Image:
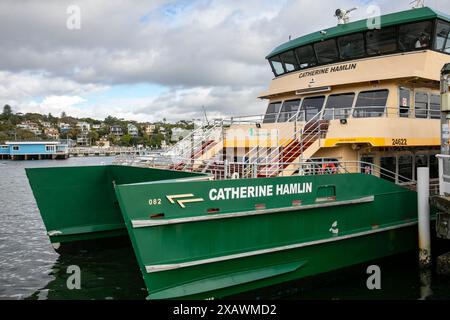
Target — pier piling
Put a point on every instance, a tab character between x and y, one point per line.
423	206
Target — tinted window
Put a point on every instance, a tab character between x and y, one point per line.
289	60
306	57
326	51
351	46
405	167
442	33
381	41
272	112
435	106
388	168
289	110
421	104
277	65
371	104
415	36
310	107
338	106
434	167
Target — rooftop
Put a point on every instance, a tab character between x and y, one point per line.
412	15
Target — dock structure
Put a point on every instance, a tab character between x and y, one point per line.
104	152
33	150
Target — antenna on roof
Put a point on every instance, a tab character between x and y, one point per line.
418	4
343	15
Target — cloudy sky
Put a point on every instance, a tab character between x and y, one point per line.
153	59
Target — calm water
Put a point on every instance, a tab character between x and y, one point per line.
30	269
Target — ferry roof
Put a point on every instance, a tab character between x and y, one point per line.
387	20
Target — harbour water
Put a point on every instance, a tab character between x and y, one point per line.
30	268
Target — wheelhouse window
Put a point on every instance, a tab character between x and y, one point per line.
415	36
290	61
326	51
442	40
381	41
338	106
421	104
371	104
435	106
277	65
310	107
306	57
289	110
351	46
272	112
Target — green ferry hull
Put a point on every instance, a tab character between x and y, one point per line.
79	203
190	244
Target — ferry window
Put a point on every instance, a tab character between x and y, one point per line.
371	104
405	167
338	106
404	103
289	110
351	46
277	65
388	168
435	106
421	160
326	51
421	104
434	167
442	42
381	41
272	112
306	57
290	61
310	107
415	36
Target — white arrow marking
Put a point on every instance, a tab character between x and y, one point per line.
172	198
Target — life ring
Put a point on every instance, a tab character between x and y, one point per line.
329	168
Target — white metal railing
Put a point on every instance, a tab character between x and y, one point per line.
187	149
444	174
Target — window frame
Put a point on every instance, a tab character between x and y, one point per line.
355	108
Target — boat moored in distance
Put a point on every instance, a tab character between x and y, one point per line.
324	179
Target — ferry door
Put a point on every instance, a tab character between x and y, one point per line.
366	165
404	103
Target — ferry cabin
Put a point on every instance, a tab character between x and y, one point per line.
371	95
37	150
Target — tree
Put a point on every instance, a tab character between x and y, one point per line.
7	111
63	115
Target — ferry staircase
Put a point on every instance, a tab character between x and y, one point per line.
301	145
186	153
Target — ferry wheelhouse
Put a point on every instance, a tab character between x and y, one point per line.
324	179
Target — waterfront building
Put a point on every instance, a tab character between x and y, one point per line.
33	150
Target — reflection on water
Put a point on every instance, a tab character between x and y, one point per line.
30	269
108	273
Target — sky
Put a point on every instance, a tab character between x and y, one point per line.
154	59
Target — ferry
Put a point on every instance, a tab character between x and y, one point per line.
323	180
